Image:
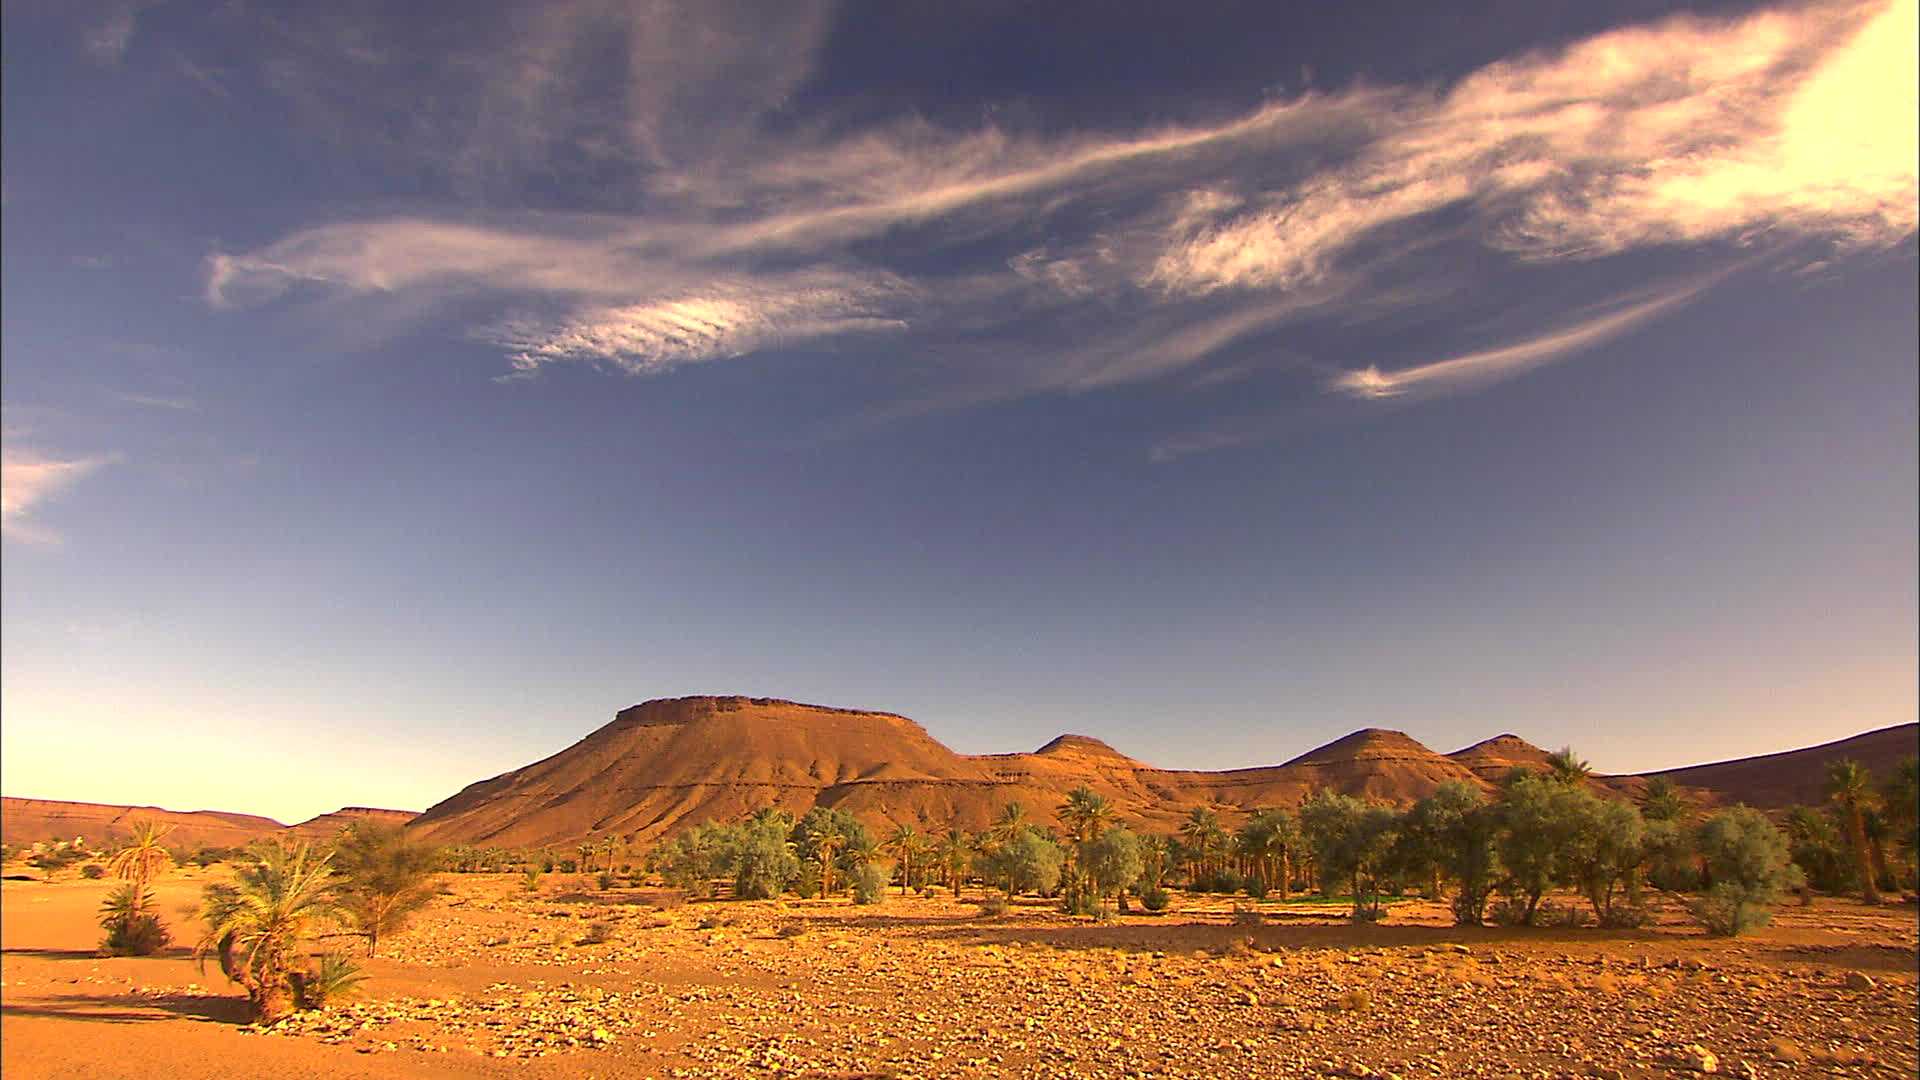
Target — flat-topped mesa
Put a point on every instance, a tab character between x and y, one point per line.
697	707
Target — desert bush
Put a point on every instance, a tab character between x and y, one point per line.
791	930
1155	899
1670	859
868	882
1508	911
1561	916
385	876
1220	882
1352	841
763	861
1749	862
806	884
598	932
530	878
93	871
332	978
1626	917
1356	999
1079	902
133	927
1368	914
1248	915
255	925
1256	889
1027	862
604	880
993	906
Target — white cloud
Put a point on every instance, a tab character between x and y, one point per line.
723	320
1490	365
1162	247
28	478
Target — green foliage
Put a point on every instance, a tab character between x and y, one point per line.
1814	842
255	925
762	858
1750	864
1354	842
1028	862
385	877
332	978
133	927
1671	861
1540	818
1113	862
530	878
1456	833
603	880
93	871
1155	899
868	882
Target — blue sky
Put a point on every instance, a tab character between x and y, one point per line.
391	394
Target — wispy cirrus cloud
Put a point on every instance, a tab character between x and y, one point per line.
1484	366
1163	248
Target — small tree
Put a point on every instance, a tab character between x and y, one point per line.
764	860
385	876
255	925
1113	864
1028	862
1353	842
1539	817
1606	847
1748	861
1850	787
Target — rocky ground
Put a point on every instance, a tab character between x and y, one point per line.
496	981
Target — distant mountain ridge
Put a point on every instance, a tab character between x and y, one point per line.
24	821
666	764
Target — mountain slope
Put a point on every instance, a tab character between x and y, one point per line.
24	821
1773	781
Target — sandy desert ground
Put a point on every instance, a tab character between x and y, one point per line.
494	982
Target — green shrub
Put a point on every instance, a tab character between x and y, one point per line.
335	977
1750	863
1256	888
598	933
604	879
1728	910
869	883
1155	899
530	878
93	871
806	884
133	927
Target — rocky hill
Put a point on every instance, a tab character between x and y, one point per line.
24	821
667	764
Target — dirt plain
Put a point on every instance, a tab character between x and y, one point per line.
494	981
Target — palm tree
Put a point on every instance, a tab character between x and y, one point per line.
1203	835
255	924
1662	800
955	849
142	860
1086	815
1850	787
1568	767
825	844
1010	824
904	842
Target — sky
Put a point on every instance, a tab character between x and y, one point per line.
393	392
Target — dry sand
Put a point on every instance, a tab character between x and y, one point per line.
492	982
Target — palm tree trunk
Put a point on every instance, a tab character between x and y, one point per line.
1857	830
